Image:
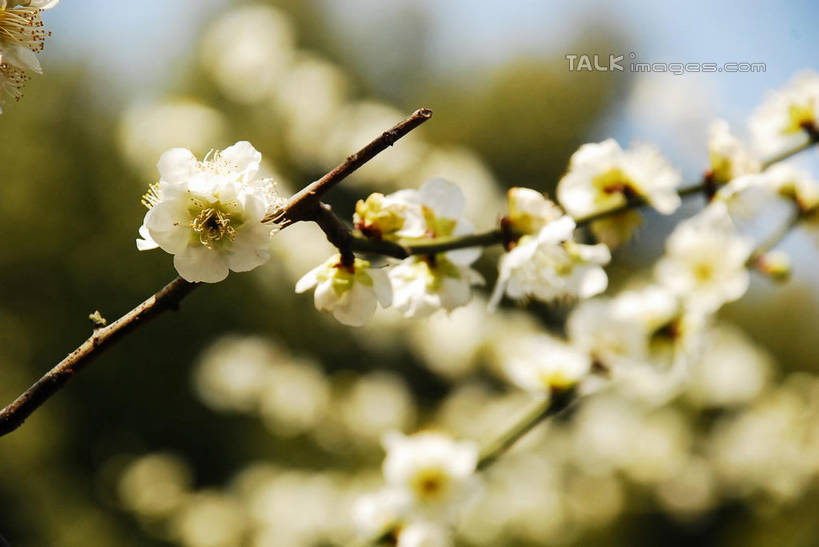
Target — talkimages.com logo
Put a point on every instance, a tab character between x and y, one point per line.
579	62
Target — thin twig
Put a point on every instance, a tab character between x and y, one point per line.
305	205
302	206
542	408
13	416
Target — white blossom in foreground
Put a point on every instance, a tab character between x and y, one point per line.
424	284
432	471
550	265
351	293
544	363
781	121
21	37
529	210
729	156
603	176
705	260
389	217
208	213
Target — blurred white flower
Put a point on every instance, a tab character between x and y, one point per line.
208	213
729	156
233	371
602	176
377	513
154	485
435	472
211	519
21	37
731	370
550	265
796	184
350	292
530	210
308	97
450	344
691	491
146	131
705	260
543	363
424	534
247	51
377	403
780	123
294	397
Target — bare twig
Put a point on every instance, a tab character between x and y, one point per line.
302	206
13	416
305	205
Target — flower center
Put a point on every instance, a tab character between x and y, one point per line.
23	26
213	225
430	484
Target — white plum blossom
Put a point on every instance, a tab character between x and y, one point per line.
424	534
542	363
208	213
423	284
377	513
705	260
645	331
551	265
21	37
350	292
530	210
434	472
729	156
796	184
781	122
389	217
603	176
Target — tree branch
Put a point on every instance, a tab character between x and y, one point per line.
305	205
168	298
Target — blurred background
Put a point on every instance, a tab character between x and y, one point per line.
227	424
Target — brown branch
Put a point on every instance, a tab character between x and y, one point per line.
13	416
305	205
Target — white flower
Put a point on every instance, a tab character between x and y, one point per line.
208	213
529	210
432	470
424	284
542	363
389	217
349	292
602	176
729	156
705	261
796	184
551	265
377	513
780	122
21	37
424	534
